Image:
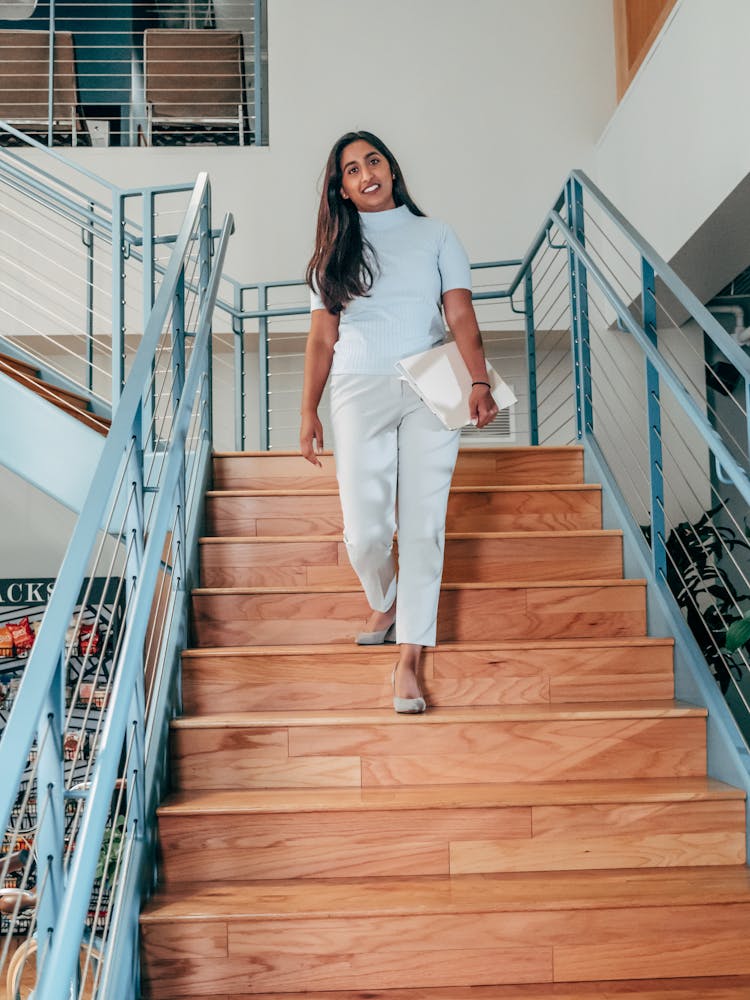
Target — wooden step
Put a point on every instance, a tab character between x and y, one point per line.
273	678
8	364
478	557
443	746
713	988
69	402
471	930
344	833
475	467
467	612
490	508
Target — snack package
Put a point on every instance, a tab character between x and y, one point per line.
6	641
71	744
23	636
89	641
70	640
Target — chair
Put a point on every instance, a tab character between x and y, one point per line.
193	77
24	81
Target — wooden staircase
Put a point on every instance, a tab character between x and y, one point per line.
69	402
545	830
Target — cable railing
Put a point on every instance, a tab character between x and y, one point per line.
650	363
76	288
175	72
83	754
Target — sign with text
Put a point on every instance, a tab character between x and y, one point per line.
38	590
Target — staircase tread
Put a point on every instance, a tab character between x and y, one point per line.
352	589
16	363
64	395
465	450
333	492
290	899
441	716
336	538
521	794
446	647
702	988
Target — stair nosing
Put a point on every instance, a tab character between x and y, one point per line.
332	649
631	888
509	795
333	491
352	588
338	537
474	715
465	450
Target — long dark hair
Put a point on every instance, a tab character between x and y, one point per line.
341	268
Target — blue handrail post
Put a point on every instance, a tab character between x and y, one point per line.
653	409
575	327
50	839
238	329
206	254
118	297
178	383
149	401
149	247
582	300
264	435
531	357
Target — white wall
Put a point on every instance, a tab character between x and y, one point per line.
678	144
487	105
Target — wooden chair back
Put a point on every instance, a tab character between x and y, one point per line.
24	76
193	75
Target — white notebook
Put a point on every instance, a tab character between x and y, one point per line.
442	380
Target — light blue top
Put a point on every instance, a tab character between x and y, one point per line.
418	259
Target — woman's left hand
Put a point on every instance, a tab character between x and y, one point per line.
482	407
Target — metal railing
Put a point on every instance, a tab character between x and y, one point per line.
263	356
77	287
176	72
642	378
83	754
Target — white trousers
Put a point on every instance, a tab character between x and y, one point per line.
394	463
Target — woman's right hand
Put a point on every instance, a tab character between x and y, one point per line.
311	438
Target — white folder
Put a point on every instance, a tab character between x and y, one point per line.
442	380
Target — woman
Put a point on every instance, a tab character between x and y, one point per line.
379	274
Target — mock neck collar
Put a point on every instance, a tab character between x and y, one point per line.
385	219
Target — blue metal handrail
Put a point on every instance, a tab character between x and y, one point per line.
728	740
142	483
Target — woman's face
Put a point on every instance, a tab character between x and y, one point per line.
366	177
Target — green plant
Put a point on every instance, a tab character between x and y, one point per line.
110	850
738	634
703	589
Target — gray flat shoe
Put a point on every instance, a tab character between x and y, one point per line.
378	638
406	706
